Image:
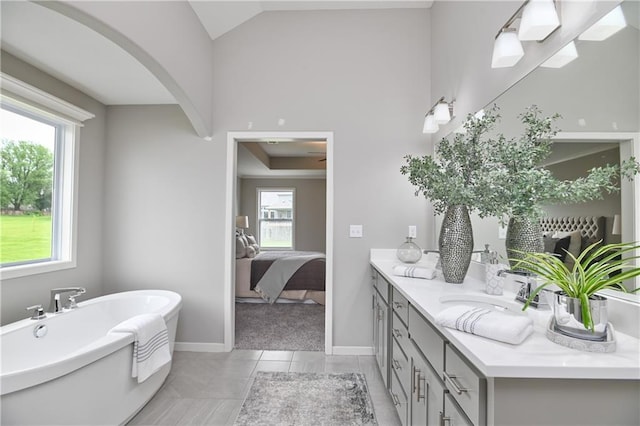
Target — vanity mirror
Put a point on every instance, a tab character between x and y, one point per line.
597	95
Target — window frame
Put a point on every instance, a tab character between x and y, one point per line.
259	218
27	100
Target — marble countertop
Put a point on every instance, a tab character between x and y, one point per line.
536	357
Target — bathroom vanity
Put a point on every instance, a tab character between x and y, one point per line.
441	376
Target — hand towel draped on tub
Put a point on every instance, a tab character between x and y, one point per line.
151	344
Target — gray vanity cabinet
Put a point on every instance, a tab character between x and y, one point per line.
380	315
427	391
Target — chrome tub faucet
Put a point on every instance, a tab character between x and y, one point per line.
55	304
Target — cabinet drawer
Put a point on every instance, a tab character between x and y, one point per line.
467	387
399	399
380	284
453	416
427	339
400	332
400	364
400	306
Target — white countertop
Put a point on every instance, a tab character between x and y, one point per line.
536	357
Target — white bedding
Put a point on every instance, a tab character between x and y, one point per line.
243	285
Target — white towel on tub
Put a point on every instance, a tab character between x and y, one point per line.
151	343
496	325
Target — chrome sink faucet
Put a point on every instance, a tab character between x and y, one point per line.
56	306
528	285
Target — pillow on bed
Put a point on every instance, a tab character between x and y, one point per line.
251	242
241	246
575	245
251	252
549	243
562	247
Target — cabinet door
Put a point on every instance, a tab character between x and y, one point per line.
427	392
453	415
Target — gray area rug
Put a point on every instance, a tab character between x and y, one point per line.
277	398
283	327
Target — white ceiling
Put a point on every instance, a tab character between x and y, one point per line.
250	166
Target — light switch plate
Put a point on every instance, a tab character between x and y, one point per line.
413	231
502	232
355	231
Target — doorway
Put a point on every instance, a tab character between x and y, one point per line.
233	141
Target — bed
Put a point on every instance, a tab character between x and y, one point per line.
572	234
300	274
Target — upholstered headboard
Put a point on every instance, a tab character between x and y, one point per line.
592	228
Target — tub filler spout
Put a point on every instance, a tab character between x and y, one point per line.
56	306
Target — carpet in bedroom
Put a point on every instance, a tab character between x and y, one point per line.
281	326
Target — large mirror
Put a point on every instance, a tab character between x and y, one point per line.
597	96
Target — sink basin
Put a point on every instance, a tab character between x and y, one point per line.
483	301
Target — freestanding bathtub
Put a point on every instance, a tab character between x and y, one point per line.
78	373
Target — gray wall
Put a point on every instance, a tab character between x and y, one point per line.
309	210
19	293
362	74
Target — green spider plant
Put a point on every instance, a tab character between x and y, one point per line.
590	274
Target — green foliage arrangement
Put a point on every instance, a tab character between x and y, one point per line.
598	267
461	172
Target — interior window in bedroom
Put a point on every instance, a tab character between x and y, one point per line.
276	218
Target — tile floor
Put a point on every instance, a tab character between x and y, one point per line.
209	388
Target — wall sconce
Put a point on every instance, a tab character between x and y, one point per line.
562	56
440	113
616	229
607	26
538	20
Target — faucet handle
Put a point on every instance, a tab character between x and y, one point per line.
38	312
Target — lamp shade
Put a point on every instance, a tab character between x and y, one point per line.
607	26
507	49
242	222
441	113
617	225
562	57
539	19
430	125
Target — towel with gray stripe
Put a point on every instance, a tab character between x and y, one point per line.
489	323
151	344
414	272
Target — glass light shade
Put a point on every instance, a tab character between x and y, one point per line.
441	113
607	26
617	225
562	57
430	125
539	19
507	49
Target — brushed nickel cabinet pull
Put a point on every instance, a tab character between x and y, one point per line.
421	379
456	387
398	305
397	332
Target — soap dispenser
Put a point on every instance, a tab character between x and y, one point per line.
409	252
493	281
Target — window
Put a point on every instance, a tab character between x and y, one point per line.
276	218
37	180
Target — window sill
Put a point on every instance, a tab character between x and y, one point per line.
18	271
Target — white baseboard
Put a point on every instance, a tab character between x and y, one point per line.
198	347
353	350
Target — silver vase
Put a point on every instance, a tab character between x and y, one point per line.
455	243
567	313
524	235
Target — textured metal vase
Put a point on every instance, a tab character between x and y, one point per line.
523	235
455	244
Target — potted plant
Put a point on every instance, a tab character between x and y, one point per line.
457	179
577	308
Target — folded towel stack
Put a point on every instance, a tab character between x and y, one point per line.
151	344
414	272
487	323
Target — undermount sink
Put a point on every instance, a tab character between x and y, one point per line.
483	301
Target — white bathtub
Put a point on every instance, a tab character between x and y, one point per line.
77	373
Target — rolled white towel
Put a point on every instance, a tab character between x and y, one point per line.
414	272
501	326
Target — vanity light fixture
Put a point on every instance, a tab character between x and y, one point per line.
562	57
616	229
440	113
607	26
507	49
539	19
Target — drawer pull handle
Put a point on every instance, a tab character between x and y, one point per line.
397	332
421	379
396	400
444	420
396	364
456	387
398	305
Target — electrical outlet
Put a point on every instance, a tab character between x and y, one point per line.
355	231
502	232
413	232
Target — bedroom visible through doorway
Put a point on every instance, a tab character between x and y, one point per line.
279	289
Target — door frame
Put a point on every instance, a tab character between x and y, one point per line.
229	251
